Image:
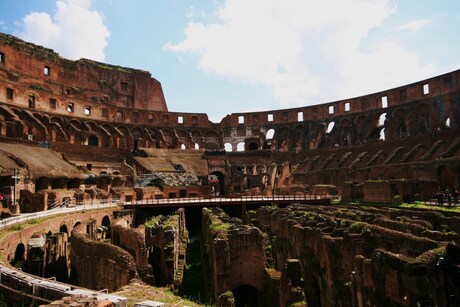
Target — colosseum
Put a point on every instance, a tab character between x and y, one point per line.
109	199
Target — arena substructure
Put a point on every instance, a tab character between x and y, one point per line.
75	135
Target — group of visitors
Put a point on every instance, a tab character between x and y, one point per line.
447	196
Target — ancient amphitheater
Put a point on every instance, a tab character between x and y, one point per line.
104	189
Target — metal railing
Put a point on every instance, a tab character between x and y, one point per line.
229	199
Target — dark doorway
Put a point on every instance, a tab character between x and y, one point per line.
93	140
19	256
246	295
253	146
155	262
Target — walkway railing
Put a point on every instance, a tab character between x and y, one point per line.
229	199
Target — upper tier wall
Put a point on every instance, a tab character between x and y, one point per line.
37	78
418	91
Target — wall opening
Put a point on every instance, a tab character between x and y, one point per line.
246	295
47	70
228	147
382	135
447	124
270	117
240	119
382	119
70	107
87	110
253	146
31	102
331	109
347	107
384	102
300	116
93	140
330	127
19	256
197	146
240	146
9	93
270	134
426	89
180	119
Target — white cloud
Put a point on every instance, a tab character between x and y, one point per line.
303	51
415	25
74	30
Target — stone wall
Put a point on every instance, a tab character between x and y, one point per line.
351	257
236	252
166	240
100	265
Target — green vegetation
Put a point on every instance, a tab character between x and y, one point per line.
357	227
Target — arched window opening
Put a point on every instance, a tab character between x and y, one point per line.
197	146
448	122
228	147
240	146
382	119
270	134
182	146
382	135
330	127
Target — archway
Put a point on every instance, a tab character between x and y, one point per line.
246	295
106	226
228	147
219	186
19	256
240	146
93	141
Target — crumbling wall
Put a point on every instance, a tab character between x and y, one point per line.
133	241
100	265
236	252
166	240
350	258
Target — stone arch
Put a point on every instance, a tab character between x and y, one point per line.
240	146
138	137
92	125
125	136
19	256
63	228
183	139
212	137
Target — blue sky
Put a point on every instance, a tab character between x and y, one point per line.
226	56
